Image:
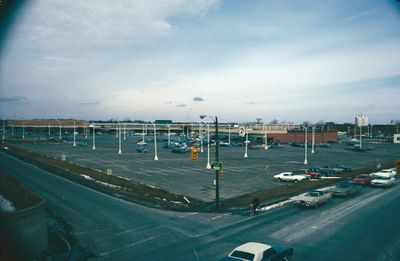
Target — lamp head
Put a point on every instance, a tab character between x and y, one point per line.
203	116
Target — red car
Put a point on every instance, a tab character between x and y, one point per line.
313	174
363	179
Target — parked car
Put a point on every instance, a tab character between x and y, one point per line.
363	179
385	173
181	150
313	174
290	176
344	189
341	166
312	198
382	181
253	251
142	150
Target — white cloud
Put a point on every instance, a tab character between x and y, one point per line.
86	24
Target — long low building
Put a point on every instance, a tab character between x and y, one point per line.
280	133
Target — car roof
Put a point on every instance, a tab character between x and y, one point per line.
253	247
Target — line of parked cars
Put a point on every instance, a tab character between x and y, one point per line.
314	198
382	178
306	174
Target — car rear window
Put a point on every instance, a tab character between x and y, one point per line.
242	255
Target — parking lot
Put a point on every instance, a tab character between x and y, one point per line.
177	173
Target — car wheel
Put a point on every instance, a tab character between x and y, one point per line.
295	181
286	258
279	179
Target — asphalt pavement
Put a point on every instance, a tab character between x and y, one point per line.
364	227
178	174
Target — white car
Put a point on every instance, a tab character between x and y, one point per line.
312	198
290	176
385	173
253	251
382	181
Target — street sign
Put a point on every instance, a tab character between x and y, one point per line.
216	165
242	131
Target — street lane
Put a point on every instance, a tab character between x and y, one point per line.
364	227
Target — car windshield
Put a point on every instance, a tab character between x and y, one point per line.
242	255
382	178
312	194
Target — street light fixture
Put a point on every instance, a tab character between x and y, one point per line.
246	142
169	134
4	130
305	146
119	138
201	138
216	157
155	142
266	141
74	136
313	140
208	146
94	137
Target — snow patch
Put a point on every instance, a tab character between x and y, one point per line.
6	205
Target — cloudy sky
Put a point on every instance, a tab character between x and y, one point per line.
177	59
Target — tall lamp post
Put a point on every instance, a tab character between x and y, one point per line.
201	138
119	138
305	146
74	136
246	143
216	158
4	130
313	140
208	146
155	142
94	137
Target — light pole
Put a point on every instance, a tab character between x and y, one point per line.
23	130
119	138
74	136
124	131
155	142
94	137
4	130
229	134
201	138
246	142
143	135
216	159
305	146
208	146
60	130
266	140
12	130
169	134
49	129
313	140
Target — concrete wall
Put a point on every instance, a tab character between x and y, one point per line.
26	230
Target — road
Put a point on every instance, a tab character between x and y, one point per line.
364	227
